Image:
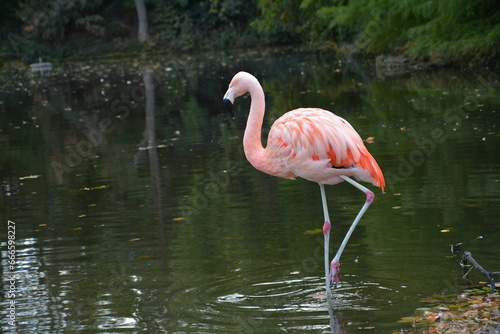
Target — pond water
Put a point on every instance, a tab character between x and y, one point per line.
136	210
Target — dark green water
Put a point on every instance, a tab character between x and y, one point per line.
135	209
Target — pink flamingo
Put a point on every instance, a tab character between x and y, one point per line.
311	143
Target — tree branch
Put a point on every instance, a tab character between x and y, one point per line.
467	257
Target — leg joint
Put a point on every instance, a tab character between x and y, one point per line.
370	196
326	228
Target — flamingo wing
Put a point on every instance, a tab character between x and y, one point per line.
318	145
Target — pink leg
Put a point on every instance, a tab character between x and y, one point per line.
370	197
326	233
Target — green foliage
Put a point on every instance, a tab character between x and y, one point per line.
59	28
188	25
53	19
282	16
439	31
175	28
433	29
453	30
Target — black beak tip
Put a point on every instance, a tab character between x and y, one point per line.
229	107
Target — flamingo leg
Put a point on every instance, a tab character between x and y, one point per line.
326	233
370	196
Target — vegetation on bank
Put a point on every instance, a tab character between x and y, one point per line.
474	311
443	32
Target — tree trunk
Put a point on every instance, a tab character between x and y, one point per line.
142	17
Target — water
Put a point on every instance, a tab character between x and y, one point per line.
135	209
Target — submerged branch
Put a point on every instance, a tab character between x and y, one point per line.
466	258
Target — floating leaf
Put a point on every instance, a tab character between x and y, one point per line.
178	218
90	188
29	177
145	148
135	239
316	231
409	320
433	317
441	308
473	311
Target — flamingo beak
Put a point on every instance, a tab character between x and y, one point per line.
229	107
228	101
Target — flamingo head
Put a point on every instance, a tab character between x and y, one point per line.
241	83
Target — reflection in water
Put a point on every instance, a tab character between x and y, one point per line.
150	139
192	239
336	324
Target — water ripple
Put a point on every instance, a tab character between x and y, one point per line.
290	303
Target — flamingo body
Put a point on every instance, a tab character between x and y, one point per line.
317	145
310	143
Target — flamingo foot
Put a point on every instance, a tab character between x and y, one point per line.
334	272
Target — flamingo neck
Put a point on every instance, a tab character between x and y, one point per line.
252	142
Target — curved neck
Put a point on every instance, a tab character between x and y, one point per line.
252	142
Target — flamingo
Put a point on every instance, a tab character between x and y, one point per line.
310	143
